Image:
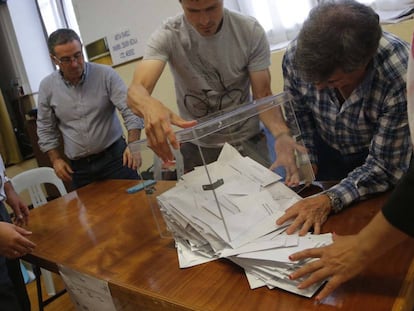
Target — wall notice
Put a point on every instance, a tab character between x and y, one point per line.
124	46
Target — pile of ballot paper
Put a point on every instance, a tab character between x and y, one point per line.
228	209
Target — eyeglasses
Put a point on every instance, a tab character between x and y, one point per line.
67	60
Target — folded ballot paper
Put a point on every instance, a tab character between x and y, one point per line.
227	209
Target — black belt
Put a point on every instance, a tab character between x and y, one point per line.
95	156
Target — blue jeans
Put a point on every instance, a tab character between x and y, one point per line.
104	165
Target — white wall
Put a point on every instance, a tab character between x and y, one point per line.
31	43
141	17
165	87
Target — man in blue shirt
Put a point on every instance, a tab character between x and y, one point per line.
347	81
80	101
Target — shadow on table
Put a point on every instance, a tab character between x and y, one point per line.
314	188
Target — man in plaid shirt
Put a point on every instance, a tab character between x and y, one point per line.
348	87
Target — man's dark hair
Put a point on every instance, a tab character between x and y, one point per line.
61	36
341	34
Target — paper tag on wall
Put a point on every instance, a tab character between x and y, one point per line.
124	46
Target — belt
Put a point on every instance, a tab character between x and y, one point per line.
95	156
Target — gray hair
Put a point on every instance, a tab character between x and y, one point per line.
61	36
341	34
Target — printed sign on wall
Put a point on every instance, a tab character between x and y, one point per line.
124	46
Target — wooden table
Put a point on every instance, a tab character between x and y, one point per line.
102	231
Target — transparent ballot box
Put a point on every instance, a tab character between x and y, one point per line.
220	197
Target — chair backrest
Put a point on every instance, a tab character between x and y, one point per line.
33	179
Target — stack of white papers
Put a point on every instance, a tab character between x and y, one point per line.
228	209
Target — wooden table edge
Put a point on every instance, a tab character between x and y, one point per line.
405	299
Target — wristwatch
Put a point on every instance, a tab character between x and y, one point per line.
336	202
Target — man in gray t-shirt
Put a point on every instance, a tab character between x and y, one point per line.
215	56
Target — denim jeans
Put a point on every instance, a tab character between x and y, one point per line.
105	165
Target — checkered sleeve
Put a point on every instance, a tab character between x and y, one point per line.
390	149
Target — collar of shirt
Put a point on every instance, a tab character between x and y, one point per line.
82	80
362	91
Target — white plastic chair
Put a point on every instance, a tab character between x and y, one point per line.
32	180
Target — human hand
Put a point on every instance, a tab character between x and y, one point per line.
158	120
20	209
285	147
62	169
307	213
22	213
340	261
13	241
131	159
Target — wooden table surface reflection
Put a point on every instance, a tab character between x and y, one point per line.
107	233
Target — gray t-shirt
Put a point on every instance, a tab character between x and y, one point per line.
211	74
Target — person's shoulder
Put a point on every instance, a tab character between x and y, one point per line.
393	50
51	75
50	78
292	45
290	50
99	68
101	72
241	19
173	23
392	41
246	27
391	60
49	85
169	30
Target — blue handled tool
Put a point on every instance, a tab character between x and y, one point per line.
142	185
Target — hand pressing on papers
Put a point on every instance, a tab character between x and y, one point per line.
347	256
308	213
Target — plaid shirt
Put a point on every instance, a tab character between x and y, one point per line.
374	117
